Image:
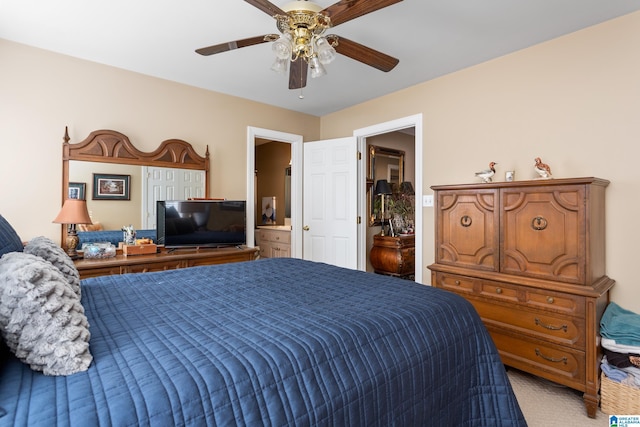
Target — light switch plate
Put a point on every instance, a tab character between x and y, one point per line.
427	201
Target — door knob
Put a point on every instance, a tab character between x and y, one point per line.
305	228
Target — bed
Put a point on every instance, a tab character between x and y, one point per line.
274	342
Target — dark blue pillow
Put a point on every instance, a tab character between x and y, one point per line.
9	239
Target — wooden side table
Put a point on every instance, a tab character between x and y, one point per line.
393	255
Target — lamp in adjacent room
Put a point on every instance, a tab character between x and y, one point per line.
407	188
74	211
382	188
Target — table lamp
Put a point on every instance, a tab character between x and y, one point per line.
74	211
382	188
407	188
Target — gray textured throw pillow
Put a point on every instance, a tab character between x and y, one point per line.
41	318
46	248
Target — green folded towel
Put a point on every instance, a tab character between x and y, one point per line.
620	325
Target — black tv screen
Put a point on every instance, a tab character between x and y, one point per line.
201	223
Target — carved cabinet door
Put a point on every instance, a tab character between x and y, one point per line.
467	229
544	232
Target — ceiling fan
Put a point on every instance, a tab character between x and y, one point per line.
302	42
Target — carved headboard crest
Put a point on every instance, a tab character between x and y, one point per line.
109	146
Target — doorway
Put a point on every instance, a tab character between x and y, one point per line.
361	135
253	135
402	125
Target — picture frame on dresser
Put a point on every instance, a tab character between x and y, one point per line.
77	190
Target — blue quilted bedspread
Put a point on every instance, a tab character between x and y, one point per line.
274	342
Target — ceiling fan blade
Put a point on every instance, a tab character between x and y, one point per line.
237	44
298	74
267	7
346	10
364	54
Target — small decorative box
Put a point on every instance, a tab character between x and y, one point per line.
98	250
139	249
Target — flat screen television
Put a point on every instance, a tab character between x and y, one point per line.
201	223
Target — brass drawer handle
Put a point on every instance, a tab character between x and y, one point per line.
551	359
498	290
539	223
550	327
457	282
550	300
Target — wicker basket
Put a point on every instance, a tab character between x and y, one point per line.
617	398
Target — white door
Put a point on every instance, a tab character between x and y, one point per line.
330	212
168	184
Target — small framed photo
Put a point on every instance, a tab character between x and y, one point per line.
77	190
111	187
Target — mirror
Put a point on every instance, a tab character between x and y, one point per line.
383	163
287	193
111	151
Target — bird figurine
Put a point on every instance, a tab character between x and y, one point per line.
488	173
542	169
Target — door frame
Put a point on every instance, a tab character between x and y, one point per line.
296	183
362	134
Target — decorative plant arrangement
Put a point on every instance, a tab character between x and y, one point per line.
399	211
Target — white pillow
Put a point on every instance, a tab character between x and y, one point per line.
47	249
41	318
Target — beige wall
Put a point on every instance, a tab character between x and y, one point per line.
574	101
112	214
41	92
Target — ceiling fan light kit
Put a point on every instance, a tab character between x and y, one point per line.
302	25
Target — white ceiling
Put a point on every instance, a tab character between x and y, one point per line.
429	37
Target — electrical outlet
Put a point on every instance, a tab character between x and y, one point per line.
427	200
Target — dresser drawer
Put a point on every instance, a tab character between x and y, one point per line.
275	236
551	301
573	305
498	291
556	363
458	284
153	266
543	325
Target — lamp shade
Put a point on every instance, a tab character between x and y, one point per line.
406	187
74	211
383	187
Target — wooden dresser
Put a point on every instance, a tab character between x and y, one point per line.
181	258
273	243
530	256
393	255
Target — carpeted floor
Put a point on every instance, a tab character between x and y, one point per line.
546	404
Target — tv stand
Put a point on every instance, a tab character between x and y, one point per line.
163	260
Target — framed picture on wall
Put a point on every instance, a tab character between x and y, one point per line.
111	187
77	190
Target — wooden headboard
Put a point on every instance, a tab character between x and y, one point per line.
110	146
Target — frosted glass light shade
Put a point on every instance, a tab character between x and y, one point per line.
317	70
282	47
326	52
280	65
